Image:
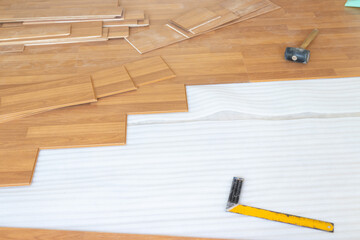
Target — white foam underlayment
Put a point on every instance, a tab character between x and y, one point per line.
297	144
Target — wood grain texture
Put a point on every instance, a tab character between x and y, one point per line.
154	38
82	31
112	81
30	32
149	70
203	18
118	32
12	48
22	101
42	234
136	14
195	17
59	14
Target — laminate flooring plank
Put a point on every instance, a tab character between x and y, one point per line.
31	32
149	70
79	31
194	18
226	17
118	32
31	99
103	38
149	99
112	81
17	166
154	38
59	14
42	234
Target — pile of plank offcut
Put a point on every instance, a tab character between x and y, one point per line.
42	22
199	20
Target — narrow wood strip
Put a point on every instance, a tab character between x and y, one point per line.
31	32
27	100
121	23
149	70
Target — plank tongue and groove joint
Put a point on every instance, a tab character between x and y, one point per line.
234	207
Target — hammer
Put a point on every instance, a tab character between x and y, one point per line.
301	54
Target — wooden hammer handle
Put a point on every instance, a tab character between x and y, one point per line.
309	39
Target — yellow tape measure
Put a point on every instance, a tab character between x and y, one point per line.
234	207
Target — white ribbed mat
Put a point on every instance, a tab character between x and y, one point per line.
173	178
268	100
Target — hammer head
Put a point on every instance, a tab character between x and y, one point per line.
297	55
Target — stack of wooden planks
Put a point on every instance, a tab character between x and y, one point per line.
59	22
198	21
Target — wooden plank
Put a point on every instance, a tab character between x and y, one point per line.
112	81
226	17
31	32
59	14
27	100
42	234
79	32
149	70
102	38
244	7
118	32
154	38
70	21
195	18
121	23
17	166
